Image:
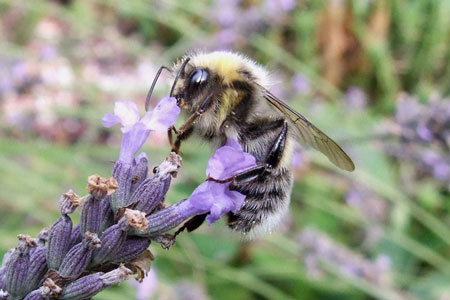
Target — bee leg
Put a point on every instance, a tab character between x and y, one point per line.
271	161
186	130
275	153
191	224
182	135
170	136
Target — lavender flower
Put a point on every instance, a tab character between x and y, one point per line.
215	197
120	216
355	98
319	248
424	136
301	84
136	131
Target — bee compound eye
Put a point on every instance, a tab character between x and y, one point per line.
199	76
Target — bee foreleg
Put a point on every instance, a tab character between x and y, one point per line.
187	128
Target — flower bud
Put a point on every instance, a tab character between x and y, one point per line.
58	241
78	258
139	171
107	214
88	286
59	234
69	201
130	249
91	217
83	288
149	194
75	236
114	237
123	173
153	190
42	238
18	266
3	265
37	268
35	295
169	169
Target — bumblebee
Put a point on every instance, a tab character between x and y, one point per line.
226	95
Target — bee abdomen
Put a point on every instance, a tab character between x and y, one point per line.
267	199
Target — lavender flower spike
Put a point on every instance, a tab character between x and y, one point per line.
210	196
136	131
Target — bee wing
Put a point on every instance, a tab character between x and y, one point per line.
308	134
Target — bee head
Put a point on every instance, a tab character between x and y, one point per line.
191	86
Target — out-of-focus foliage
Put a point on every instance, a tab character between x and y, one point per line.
374	75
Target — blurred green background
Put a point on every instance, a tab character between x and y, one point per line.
373	74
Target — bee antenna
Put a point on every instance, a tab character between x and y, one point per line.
180	71
150	92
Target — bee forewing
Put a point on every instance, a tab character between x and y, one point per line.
307	133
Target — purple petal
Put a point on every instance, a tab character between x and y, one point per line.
127	112
132	141
163	115
215	198
110	120
229	160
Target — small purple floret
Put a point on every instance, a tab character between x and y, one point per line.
136	130
229	160
216	197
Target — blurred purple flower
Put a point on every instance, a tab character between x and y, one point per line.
355	98
226	38
283	5
408	109
298	159
441	171
48	52
424	132
215	197
226	12
277	9
301	84
19	71
137	130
